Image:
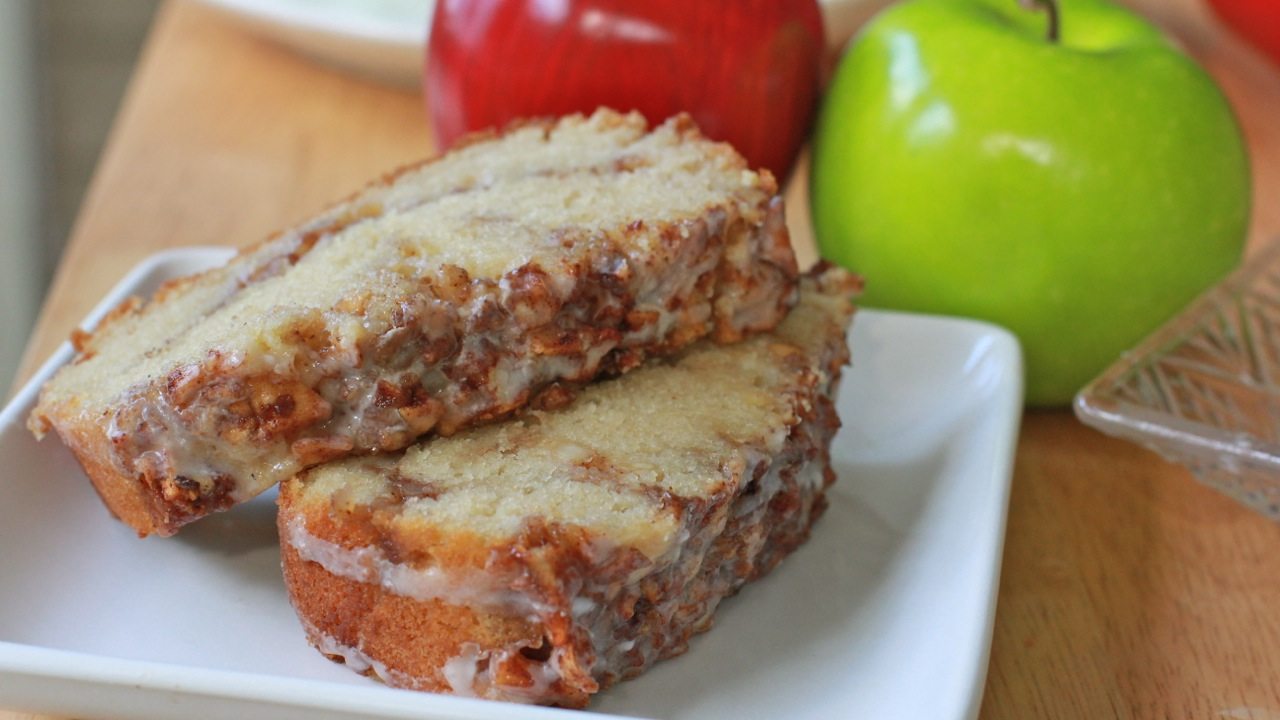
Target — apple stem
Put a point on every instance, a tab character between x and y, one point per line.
1050	8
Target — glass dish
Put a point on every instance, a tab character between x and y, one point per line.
1204	389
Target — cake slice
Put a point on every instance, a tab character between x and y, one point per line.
448	294
545	558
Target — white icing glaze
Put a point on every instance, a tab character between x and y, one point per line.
460	670
354	564
353	658
357	659
470	673
583	606
370	565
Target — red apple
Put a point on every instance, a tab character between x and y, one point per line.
748	71
1258	21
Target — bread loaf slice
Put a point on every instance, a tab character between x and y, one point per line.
445	295
544	558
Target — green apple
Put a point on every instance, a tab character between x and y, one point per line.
1078	184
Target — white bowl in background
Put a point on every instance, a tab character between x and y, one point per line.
385	39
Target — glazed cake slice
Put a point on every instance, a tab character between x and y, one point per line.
549	556
448	294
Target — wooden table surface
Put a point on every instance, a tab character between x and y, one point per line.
1128	590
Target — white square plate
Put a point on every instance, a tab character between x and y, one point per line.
885	613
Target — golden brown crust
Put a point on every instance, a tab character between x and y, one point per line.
128	500
391	626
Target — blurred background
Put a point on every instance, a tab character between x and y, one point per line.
64	66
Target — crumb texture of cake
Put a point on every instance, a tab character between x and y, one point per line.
448	294
546	557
